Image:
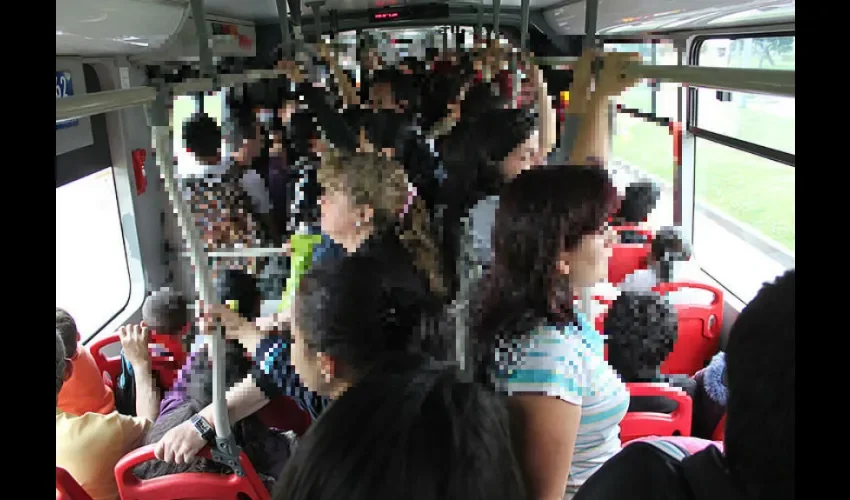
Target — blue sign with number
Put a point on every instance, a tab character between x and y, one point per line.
64	88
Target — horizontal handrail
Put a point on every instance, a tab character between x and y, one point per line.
85	105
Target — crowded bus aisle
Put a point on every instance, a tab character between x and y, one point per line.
398	257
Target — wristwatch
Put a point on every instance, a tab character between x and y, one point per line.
203	428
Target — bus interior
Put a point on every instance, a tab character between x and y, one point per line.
722	157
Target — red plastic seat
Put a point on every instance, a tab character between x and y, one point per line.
642	424
67	488
626	259
189	485
699	330
166	366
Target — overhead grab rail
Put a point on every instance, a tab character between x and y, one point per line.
756	81
85	105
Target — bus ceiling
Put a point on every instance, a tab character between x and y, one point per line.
164	30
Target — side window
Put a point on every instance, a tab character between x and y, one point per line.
92	275
642	144
182	109
745	178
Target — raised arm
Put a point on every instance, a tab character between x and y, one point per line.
134	341
592	140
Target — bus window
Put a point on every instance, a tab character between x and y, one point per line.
183	108
660	100
743	183
92	275
642	145
760	119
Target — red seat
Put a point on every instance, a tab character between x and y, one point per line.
189	485
67	488
166	366
699	330
642	424
626	259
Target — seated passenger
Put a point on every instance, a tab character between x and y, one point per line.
88	445
638	203
669	261
710	397
455	435
758	458
266	449
641	330
85	390
164	313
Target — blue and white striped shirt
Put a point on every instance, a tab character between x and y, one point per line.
568	364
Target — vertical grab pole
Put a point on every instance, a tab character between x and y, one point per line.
226	450
202	31
525	7
317	18
479	25
497	4
285	35
591	8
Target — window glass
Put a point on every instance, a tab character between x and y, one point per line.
182	109
640	96
92	275
744	221
760	119
641	149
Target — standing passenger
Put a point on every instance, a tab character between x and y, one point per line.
550	241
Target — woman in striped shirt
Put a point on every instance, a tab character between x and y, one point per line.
550	241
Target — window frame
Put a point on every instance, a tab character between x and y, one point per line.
765	152
687	196
120	144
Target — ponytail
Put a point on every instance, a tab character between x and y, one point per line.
382	184
416	239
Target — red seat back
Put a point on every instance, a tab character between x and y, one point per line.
626	259
188	485
699	330
641	424
166	366
67	488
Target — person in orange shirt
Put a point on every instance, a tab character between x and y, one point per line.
85	391
89	445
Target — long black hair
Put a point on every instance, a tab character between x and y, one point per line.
361	310
420	432
542	213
